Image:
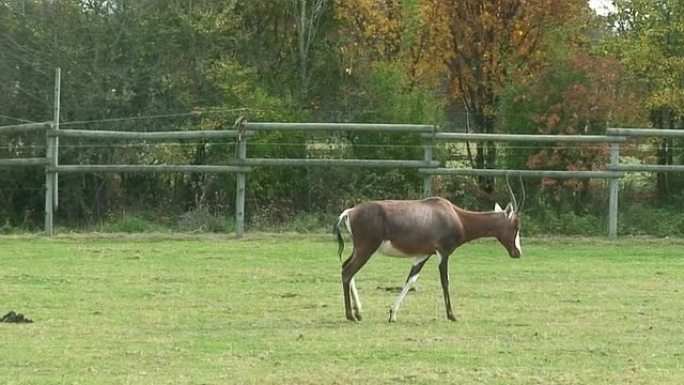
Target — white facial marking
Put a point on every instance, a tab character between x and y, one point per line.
517	242
389	250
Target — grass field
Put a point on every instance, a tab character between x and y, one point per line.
181	309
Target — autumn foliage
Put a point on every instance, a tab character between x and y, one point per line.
577	95
480	48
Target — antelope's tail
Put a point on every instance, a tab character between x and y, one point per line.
344	217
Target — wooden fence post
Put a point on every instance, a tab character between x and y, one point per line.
52	154
428	143
614	189
241	179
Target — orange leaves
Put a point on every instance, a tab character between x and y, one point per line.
576	94
433	47
483	45
570	156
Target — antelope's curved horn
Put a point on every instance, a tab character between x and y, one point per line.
510	192
524	195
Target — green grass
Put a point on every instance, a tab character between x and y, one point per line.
180	309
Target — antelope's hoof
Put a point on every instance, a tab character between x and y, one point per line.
452	318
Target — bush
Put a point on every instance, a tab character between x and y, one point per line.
131	224
641	220
565	224
201	220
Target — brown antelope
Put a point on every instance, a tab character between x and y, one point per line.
419	229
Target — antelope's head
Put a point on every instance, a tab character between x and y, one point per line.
509	233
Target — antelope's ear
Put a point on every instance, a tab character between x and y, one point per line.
497	208
509	210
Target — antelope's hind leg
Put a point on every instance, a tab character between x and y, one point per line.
350	267
355	300
410	281
346	289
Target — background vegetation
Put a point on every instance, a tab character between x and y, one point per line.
508	66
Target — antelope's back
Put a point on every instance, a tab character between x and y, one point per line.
406	221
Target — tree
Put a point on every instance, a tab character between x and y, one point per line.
578	94
309	16
479	47
122	61
648	37
374	40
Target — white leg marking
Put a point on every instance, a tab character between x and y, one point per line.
517	242
356	302
405	290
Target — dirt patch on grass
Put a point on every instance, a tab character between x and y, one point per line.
16	318
394	289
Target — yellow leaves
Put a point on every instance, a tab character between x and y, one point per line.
371	28
669	98
433	47
483	44
478	46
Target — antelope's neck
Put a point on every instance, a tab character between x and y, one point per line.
478	225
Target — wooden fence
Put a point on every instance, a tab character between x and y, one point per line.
613	175
23	128
242	164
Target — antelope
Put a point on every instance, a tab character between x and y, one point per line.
418	229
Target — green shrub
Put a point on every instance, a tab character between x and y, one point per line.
130	224
201	220
642	220
565	224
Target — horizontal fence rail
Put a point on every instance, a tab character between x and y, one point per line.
125	168
555	174
272	126
458	136
645	132
647	167
22	162
371	163
151	135
23	128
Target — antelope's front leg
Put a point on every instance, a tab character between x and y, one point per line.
410	281
444	278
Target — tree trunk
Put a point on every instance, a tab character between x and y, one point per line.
303	50
485	152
